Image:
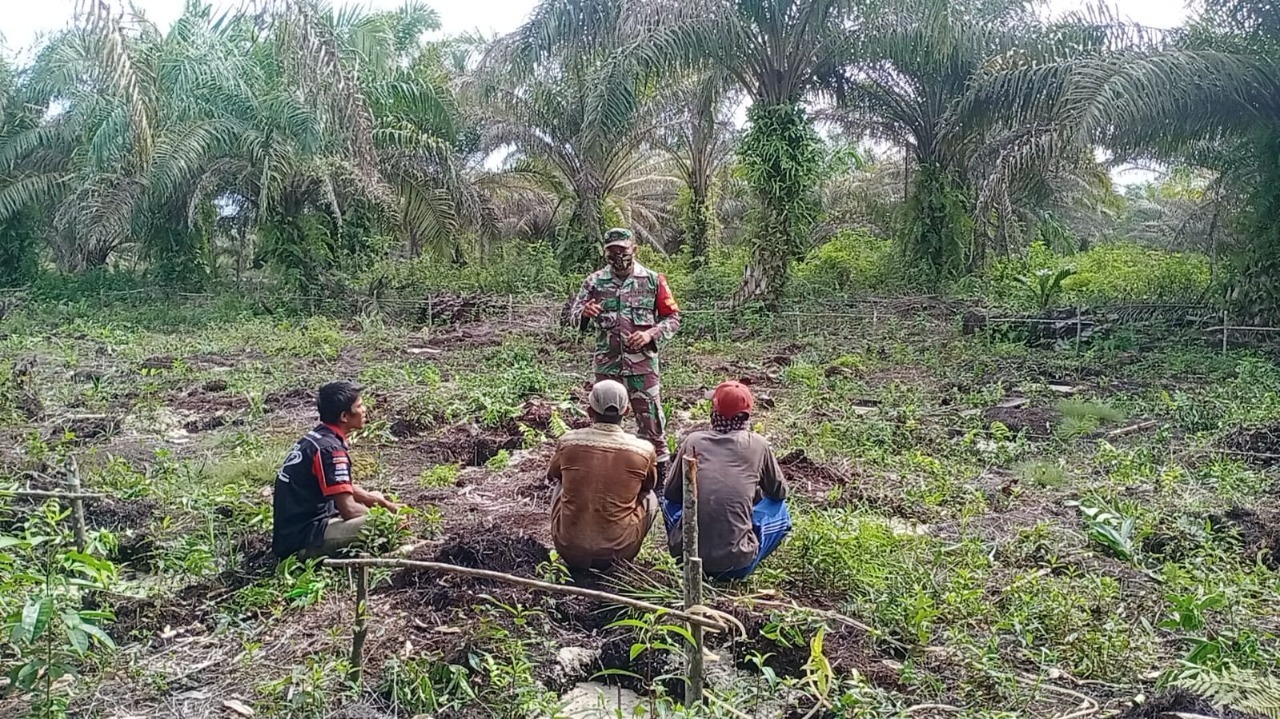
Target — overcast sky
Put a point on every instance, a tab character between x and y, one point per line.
23	21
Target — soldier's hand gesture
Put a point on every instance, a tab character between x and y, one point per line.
592	309
638	340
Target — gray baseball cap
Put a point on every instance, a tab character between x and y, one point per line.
609	397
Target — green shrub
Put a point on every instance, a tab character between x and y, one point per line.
849	263
1117	272
513	268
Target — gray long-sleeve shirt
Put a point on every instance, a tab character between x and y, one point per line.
735	470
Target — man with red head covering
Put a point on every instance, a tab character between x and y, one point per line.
742	515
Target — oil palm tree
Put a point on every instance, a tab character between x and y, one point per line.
147	131
697	136
563	96
776	51
924	80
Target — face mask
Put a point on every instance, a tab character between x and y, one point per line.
621	263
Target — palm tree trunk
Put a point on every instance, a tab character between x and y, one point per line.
580	245
782	156
941	230
698	225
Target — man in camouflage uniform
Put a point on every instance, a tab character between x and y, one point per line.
634	313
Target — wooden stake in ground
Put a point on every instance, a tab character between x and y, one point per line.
77	504
692	578
362	623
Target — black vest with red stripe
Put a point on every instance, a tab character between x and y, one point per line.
317	469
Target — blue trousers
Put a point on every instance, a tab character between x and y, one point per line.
770	521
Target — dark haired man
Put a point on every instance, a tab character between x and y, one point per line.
604	504
742	513
634	312
317	508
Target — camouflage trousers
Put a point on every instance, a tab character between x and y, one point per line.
646	404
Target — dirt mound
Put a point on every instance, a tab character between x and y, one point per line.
194	605
202	399
615	654
1180	701
476	548
296	398
84	427
119	514
135	550
470	446
844	647
402	427
1034	420
157	362
809	477
256	561
1259	439
496	551
536	413
1259	533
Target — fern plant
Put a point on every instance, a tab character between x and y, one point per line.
1242	689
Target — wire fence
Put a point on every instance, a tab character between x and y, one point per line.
449	307
533	312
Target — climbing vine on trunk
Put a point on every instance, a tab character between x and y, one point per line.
782	157
939	228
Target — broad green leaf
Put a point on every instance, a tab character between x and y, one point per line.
97	633
677	629
35	618
6	542
28	674
78	639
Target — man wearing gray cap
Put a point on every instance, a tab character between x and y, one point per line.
604	504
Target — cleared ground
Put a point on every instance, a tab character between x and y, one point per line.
982	526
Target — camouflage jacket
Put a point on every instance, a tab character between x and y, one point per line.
640	302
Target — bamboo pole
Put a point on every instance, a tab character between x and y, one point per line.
693	691
1224	332
362	624
702	621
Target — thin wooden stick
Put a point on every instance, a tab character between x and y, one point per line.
53	495
704	622
693	690
1133	428
362	624
834	616
77	505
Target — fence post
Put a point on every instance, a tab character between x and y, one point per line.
692	578
362	624
1224	332
77	505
